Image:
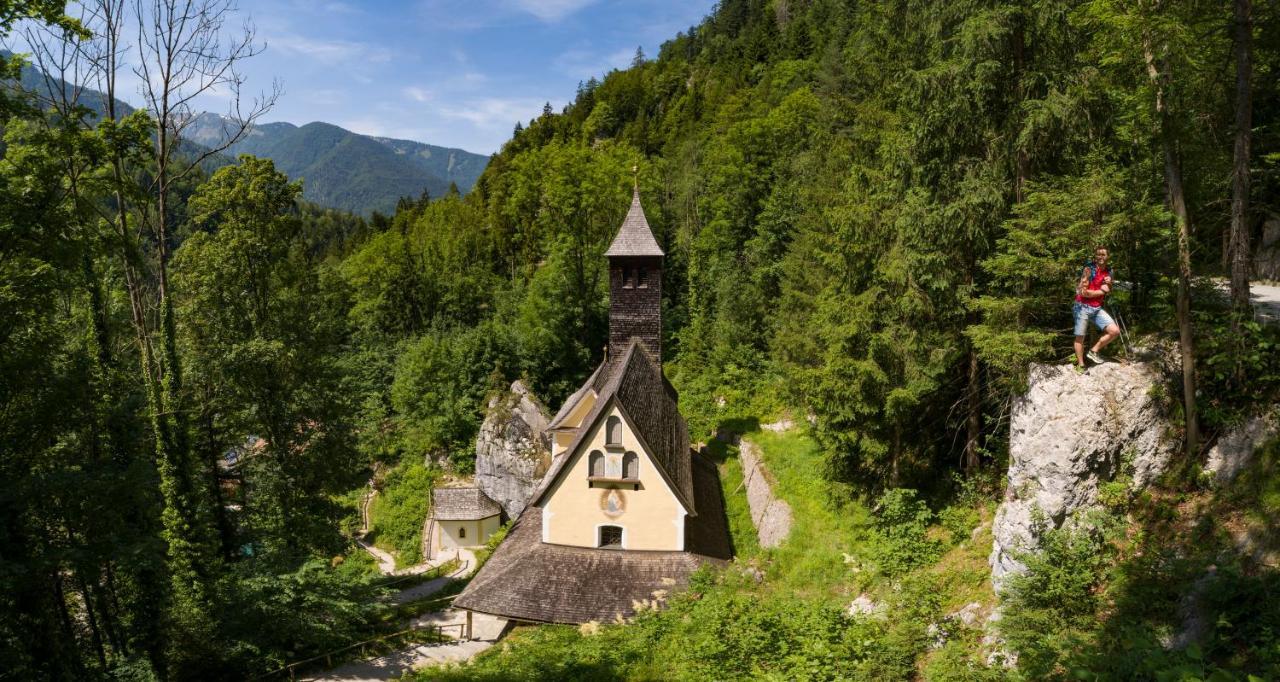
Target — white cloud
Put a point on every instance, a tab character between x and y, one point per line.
330	52
583	64
495	112
324	96
366	126
467	81
467	15
340	8
551	11
417	94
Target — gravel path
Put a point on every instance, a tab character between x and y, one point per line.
467	560
485	629
1266	300
387	563
393	666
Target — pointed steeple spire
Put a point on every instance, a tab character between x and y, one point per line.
634	238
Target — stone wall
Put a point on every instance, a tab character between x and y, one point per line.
771	516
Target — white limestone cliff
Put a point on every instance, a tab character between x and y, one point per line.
512	449
1069	434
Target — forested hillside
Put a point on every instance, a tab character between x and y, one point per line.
349	171
873	213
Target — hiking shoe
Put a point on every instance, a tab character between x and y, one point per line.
1095	358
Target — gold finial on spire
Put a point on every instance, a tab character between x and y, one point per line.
635	178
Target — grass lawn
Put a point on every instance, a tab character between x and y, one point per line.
826	526
825	554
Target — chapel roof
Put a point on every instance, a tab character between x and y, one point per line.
634	238
527	579
636	382
462	504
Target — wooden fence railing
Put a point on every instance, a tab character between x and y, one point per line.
434	633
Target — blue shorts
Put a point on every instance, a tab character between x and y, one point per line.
1083	313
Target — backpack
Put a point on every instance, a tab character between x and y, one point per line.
1093	274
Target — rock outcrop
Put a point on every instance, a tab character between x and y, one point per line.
1069	434
1266	252
512	449
1235	448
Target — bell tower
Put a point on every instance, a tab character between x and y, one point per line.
635	285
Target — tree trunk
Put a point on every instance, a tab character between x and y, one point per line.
1178	204
120	644
971	450
212	452
64	618
1239	243
1173	172
894	453
973	398
91	616
107	614
1022	163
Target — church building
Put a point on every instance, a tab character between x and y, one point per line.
626	509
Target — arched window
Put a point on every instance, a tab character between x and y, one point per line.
462	532
628	278
595	463
613	431
631	466
610	537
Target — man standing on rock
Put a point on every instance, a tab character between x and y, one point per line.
1091	291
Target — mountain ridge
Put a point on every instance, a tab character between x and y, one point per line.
339	168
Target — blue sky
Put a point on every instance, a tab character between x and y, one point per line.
456	73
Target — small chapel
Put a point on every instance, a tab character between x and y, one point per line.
627	509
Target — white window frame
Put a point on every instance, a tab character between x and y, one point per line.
613	525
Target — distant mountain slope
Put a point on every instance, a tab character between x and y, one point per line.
456	165
340	169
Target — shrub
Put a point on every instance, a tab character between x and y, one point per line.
959	522
400	509
1049	609
483	554
899	541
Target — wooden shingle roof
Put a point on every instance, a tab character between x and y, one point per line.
462	504
529	580
634	238
635	382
